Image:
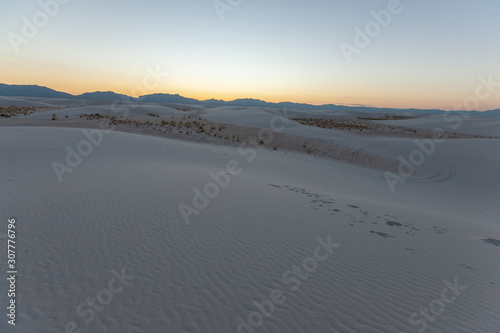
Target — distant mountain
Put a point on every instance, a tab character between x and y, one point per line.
104	95
492	112
250	102
40	91
31	91
167	98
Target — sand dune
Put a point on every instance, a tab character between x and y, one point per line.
290	242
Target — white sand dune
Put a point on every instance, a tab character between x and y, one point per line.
119	209
21	101
476	125
251	117
130	110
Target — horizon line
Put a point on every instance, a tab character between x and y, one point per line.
350	105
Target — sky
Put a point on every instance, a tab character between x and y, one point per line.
403	54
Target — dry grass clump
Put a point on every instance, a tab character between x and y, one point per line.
11	111
93	116
387	117
332	123
349	125
182	126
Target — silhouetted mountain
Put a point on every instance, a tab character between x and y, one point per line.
104	95
168	98
214	101
40	91
250	102
492	112
31	91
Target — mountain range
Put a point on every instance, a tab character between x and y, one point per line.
41	91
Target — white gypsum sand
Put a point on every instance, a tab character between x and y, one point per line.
250	259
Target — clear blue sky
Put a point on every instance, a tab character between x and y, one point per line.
430	55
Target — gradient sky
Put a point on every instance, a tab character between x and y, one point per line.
430	55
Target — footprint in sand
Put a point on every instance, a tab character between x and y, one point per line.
439	230
322	202
466	266
397	224
393	224
411	230
491	241
381	234
319	201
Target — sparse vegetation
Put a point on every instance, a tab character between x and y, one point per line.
353	125
387	117
332	123
11	111
93	116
